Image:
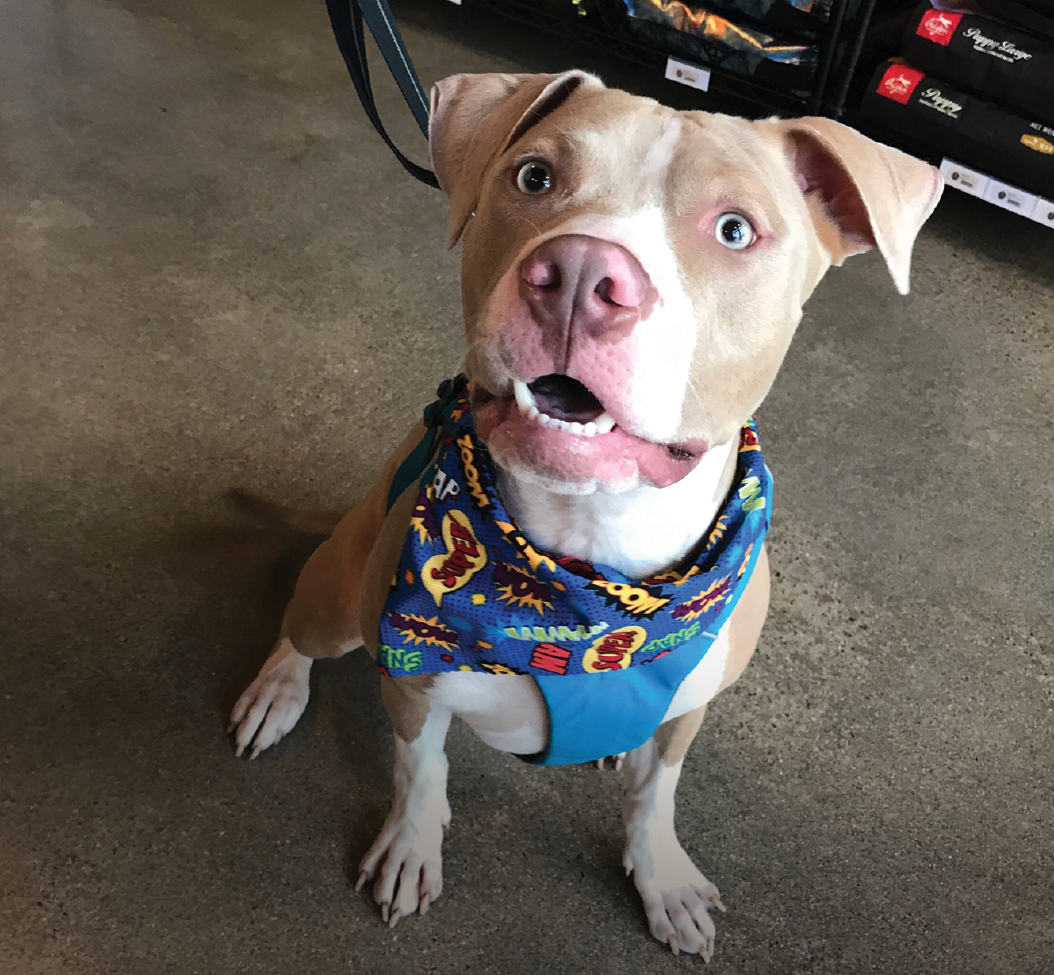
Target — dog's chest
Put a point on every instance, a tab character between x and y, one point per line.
508	711
638	535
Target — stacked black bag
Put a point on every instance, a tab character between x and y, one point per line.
1034	15
975	89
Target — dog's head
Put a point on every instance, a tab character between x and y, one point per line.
632	275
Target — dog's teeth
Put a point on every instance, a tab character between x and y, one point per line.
604	423
524	397
552	423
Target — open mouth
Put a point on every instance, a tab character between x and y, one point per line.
558	427
562	403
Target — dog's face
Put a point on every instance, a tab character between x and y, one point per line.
632	275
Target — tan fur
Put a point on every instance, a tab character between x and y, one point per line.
715	335
381	566
322	619
673	737
719	161
746	621
407	703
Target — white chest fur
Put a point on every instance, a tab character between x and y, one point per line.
640	532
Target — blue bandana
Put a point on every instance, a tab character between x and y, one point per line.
471	593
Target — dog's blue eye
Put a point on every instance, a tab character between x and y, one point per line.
734	231
534	177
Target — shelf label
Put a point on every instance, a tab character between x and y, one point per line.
1010	198
688	74
968	180
1044	213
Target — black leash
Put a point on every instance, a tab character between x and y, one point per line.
347	16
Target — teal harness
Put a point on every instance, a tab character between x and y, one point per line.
608	652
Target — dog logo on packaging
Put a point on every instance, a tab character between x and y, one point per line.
899	82
464	557
938	26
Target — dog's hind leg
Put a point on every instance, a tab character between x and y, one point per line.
677	897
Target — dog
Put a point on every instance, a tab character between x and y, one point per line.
632	277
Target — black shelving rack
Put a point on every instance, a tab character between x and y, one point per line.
875	36
605	26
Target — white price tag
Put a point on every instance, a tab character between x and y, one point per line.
1044	213
967	180
688	74
1010	198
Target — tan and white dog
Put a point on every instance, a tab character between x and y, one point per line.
632	277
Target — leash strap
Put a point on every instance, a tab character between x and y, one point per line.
346	17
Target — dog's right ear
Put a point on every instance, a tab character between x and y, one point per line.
476	117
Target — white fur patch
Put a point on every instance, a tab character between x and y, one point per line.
662	348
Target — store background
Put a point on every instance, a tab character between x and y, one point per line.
214	274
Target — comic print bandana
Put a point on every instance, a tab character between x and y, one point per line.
470	593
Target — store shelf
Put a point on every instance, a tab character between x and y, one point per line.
945	120
605	26
998	193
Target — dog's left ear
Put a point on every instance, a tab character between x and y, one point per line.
476	117
861	193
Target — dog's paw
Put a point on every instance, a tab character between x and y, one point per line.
677	900
615	760
272	704
406	867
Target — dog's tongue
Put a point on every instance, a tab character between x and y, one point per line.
564	398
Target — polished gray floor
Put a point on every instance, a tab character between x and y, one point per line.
211	274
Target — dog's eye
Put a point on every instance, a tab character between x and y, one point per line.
734	231
534	177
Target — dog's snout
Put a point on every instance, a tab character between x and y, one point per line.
579	282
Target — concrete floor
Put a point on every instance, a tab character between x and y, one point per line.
214	274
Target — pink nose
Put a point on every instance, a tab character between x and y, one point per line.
576	282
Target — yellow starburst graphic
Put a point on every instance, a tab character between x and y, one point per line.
675	578
746	561
417	630
518	587
718	531
707	599
496	668
417	519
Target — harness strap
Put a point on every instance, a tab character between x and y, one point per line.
435	416
346	17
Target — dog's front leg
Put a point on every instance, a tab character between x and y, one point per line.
405	861
676	895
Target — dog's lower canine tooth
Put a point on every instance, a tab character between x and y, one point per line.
605	423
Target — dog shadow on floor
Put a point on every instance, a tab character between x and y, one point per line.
251	571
